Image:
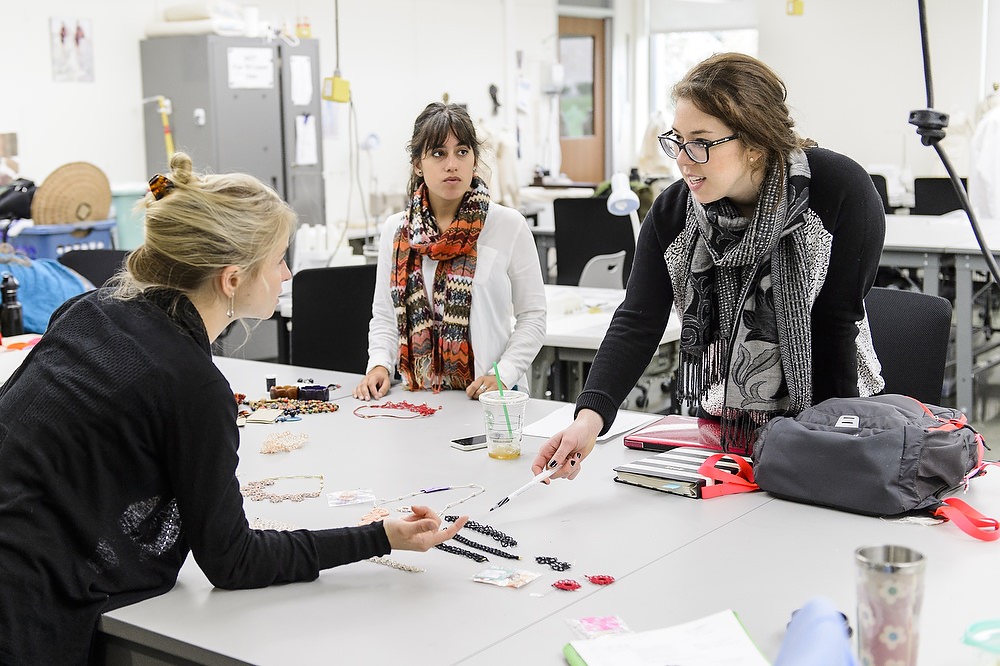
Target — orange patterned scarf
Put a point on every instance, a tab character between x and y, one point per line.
434	345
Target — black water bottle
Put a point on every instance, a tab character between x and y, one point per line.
11	317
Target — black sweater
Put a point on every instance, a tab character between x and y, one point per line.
118	451
842	194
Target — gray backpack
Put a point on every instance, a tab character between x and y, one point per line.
881	456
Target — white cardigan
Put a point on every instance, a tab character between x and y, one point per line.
507	319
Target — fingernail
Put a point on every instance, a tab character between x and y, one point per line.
553	463
578	456
572	462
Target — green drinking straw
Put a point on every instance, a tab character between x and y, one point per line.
506	415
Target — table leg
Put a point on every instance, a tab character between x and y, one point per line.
963	334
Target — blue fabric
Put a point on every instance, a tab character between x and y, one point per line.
816	636
44	286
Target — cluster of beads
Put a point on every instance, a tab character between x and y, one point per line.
570	584
301	406
553	563
419	410
601	579
454	550
486	549
263	524
376	514
254	490
393	564
495	534
283	442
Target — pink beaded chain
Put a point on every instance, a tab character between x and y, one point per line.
417	410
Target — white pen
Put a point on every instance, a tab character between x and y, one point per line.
538	479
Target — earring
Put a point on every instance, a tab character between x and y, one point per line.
420	173
232	305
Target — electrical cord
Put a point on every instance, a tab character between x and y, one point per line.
930	126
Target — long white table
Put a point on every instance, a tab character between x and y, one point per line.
930	242
674	559
577	321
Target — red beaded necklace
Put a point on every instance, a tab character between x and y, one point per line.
418	411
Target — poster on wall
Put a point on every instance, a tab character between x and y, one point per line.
72	49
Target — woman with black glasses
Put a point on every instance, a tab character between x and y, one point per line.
766	248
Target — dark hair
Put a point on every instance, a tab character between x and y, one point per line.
202	224
431	130
749	97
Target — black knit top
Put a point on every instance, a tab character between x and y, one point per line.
118	451
842	194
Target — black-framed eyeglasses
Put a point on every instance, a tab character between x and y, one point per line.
696	149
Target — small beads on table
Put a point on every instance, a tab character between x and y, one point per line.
418	410
553	563
601	579
461	551
301	406
567	584
254	490
495	534
486	549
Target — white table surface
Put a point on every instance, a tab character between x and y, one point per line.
931	241
366	613
674	559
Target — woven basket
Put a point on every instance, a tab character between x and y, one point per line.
75	192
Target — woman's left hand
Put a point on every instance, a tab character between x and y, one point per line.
481	385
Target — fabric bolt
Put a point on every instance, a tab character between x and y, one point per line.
507	313
118	452
842	197
434	349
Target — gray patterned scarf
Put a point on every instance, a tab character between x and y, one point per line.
744	288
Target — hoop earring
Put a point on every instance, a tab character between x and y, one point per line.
232	305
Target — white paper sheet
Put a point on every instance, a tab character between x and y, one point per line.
563	417
300	67
306	151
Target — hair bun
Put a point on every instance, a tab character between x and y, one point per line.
180	168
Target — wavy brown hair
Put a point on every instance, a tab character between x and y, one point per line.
749	97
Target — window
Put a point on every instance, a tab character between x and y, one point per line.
672	54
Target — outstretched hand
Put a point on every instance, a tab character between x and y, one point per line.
420	531
374	385
568	448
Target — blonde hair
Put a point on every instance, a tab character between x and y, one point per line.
201	224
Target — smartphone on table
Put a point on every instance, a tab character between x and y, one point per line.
469	443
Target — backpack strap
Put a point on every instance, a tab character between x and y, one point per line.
968	519
727	483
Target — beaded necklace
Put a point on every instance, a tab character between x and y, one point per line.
418	411
477	490
254	490
299	406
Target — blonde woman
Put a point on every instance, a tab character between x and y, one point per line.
118	438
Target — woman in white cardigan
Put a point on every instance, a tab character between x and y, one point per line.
459	287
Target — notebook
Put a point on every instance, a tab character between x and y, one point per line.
675	430
674	471
719	638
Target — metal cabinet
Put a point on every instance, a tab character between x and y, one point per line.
240	104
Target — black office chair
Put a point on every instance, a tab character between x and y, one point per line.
98	266
331	309
910	333
585	229
883	191
935	196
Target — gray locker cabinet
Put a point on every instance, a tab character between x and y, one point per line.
233	111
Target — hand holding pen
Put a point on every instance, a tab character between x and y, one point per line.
539	478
